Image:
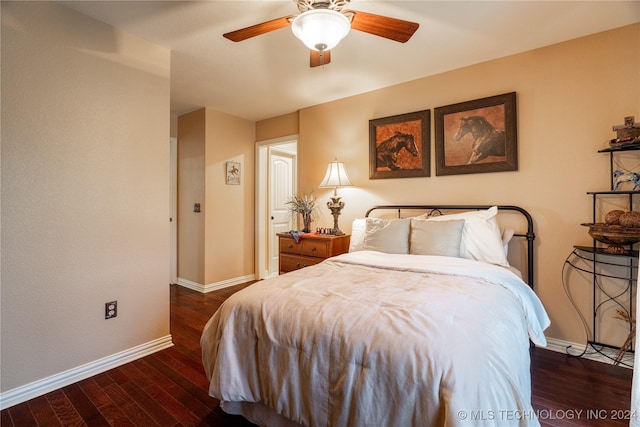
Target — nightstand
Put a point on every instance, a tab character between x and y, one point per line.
310	249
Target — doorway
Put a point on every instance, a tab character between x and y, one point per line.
276	177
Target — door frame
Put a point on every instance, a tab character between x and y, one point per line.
261	198
173	210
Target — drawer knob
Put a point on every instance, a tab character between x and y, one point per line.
313	249
290	246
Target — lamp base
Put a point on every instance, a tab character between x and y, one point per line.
335	205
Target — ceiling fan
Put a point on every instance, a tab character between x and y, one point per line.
321	24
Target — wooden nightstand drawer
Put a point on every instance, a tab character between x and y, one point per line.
289	246
316	248
295	262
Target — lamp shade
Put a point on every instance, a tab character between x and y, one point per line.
320	29
336	176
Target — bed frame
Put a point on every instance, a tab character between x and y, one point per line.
437	210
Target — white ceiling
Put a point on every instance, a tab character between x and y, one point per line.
269	75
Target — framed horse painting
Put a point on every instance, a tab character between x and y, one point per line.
477	136
399	146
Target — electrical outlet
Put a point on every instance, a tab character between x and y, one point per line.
110	309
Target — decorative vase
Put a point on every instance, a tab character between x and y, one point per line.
306	220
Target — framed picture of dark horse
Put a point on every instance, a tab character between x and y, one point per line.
399	146
477	136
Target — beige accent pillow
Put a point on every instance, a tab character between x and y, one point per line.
481	237
387	235
436	237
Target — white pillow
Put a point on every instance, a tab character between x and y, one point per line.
387	235
436	237
481	237
357	234
506	234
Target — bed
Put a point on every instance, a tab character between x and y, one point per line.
424	322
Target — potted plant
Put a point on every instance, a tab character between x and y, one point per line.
304	205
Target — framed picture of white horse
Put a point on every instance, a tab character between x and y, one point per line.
477	136
399	146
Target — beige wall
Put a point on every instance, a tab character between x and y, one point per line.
85	191
215	245
191	183
230	225
277	127
568	97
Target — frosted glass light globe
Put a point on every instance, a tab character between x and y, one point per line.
321	29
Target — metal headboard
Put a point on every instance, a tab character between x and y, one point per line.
528	235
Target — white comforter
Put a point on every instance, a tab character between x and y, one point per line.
372	339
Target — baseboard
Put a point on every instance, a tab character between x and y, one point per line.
190	285
54	382
217	285
585	352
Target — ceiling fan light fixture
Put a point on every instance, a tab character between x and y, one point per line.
321	29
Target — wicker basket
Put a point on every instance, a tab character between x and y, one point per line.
615	236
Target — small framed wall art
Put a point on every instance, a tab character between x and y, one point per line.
233	173
399	146
477	136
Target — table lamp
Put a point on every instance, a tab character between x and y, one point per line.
335	177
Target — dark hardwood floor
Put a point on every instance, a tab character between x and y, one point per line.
169	388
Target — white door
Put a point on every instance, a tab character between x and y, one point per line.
281	188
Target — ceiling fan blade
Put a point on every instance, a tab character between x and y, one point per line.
383	26
318	59
258	29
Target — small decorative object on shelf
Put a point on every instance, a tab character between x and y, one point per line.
621	176
613	235
328	232
304	205
620	229
629	219
626	134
